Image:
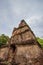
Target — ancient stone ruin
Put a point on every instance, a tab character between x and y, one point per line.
23	47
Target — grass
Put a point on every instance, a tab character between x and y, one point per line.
40	41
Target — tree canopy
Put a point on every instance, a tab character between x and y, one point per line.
3	39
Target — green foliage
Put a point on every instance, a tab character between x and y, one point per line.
40	41
3	39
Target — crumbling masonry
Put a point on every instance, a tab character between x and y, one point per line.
23	48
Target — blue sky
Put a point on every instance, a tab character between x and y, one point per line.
13	11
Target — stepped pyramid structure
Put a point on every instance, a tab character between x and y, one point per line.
24	48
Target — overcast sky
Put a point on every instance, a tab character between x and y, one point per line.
13	11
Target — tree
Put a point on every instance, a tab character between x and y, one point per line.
3	39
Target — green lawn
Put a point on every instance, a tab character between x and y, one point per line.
40	41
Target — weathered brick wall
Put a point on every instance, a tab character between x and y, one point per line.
3	53
29	55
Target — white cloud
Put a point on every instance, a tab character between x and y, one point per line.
36	24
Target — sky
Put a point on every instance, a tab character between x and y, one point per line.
13	11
